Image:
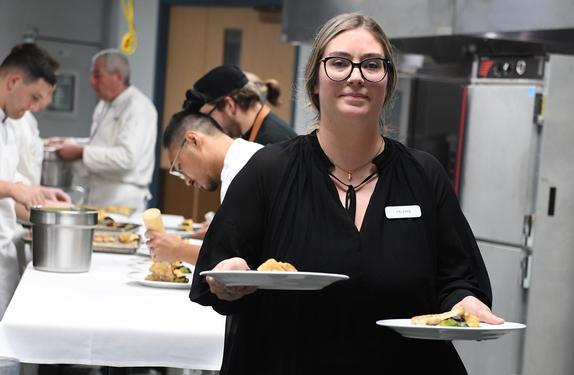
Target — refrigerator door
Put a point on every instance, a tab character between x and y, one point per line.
550	333
502	356
501	143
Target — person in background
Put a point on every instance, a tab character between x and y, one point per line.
331	201
204	156
269	91
226	94
29	171
26	79
119	157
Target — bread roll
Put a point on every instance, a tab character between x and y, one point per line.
152	220
273	265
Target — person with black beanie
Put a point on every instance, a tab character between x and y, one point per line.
225	94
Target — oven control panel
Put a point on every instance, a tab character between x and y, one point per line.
511	67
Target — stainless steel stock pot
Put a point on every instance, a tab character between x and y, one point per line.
62	238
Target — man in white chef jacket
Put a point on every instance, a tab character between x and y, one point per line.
119	157
26	79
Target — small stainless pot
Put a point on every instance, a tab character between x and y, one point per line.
55	171
62	238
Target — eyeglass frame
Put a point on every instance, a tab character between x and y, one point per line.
174	170
211	110
386	62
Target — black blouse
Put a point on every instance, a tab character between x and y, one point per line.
284	205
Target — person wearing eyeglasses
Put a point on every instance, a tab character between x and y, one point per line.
226	94
343	199
203	156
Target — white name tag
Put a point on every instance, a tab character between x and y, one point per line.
402	212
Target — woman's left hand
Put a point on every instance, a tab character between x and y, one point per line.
474	306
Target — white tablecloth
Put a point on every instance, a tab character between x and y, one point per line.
103	317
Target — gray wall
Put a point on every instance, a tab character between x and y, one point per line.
11	18
143	61
303	113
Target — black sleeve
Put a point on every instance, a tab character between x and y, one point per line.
461	269
236	231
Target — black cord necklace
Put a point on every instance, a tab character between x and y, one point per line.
351	197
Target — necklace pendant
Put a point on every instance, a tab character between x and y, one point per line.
349	176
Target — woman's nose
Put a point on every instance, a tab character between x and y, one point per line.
356	75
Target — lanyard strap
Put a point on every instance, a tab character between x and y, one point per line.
263	112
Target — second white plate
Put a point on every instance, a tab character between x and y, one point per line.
276	280
484	332
139	277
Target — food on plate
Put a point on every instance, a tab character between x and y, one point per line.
187	225
152	220
122	210
273	265
124	238
102	216
168	272
457	317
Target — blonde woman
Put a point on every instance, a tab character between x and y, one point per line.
329	202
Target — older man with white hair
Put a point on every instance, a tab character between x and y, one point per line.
120	154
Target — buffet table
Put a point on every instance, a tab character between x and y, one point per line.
106	317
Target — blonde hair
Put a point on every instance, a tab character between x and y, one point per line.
334	27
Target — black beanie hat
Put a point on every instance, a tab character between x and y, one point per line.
220	81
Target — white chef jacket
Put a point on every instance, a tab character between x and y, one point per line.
9	274
120	155
30	149
235	159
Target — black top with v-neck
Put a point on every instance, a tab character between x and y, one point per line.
284	205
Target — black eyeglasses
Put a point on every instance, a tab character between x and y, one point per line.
373	69
208	113
174	168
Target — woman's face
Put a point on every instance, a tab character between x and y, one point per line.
353	97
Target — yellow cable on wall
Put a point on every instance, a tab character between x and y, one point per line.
130	39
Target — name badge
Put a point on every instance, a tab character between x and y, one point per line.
402	212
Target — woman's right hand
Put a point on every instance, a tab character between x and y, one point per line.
229	293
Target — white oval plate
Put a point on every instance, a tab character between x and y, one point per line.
484	332
276	280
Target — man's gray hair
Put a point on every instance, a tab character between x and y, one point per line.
115	62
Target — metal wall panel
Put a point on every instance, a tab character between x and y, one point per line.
472	16
498	161
399	18
549	336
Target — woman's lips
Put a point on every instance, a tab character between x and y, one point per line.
355	96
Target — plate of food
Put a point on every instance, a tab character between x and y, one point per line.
456	324
187	226
276	275
165	275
